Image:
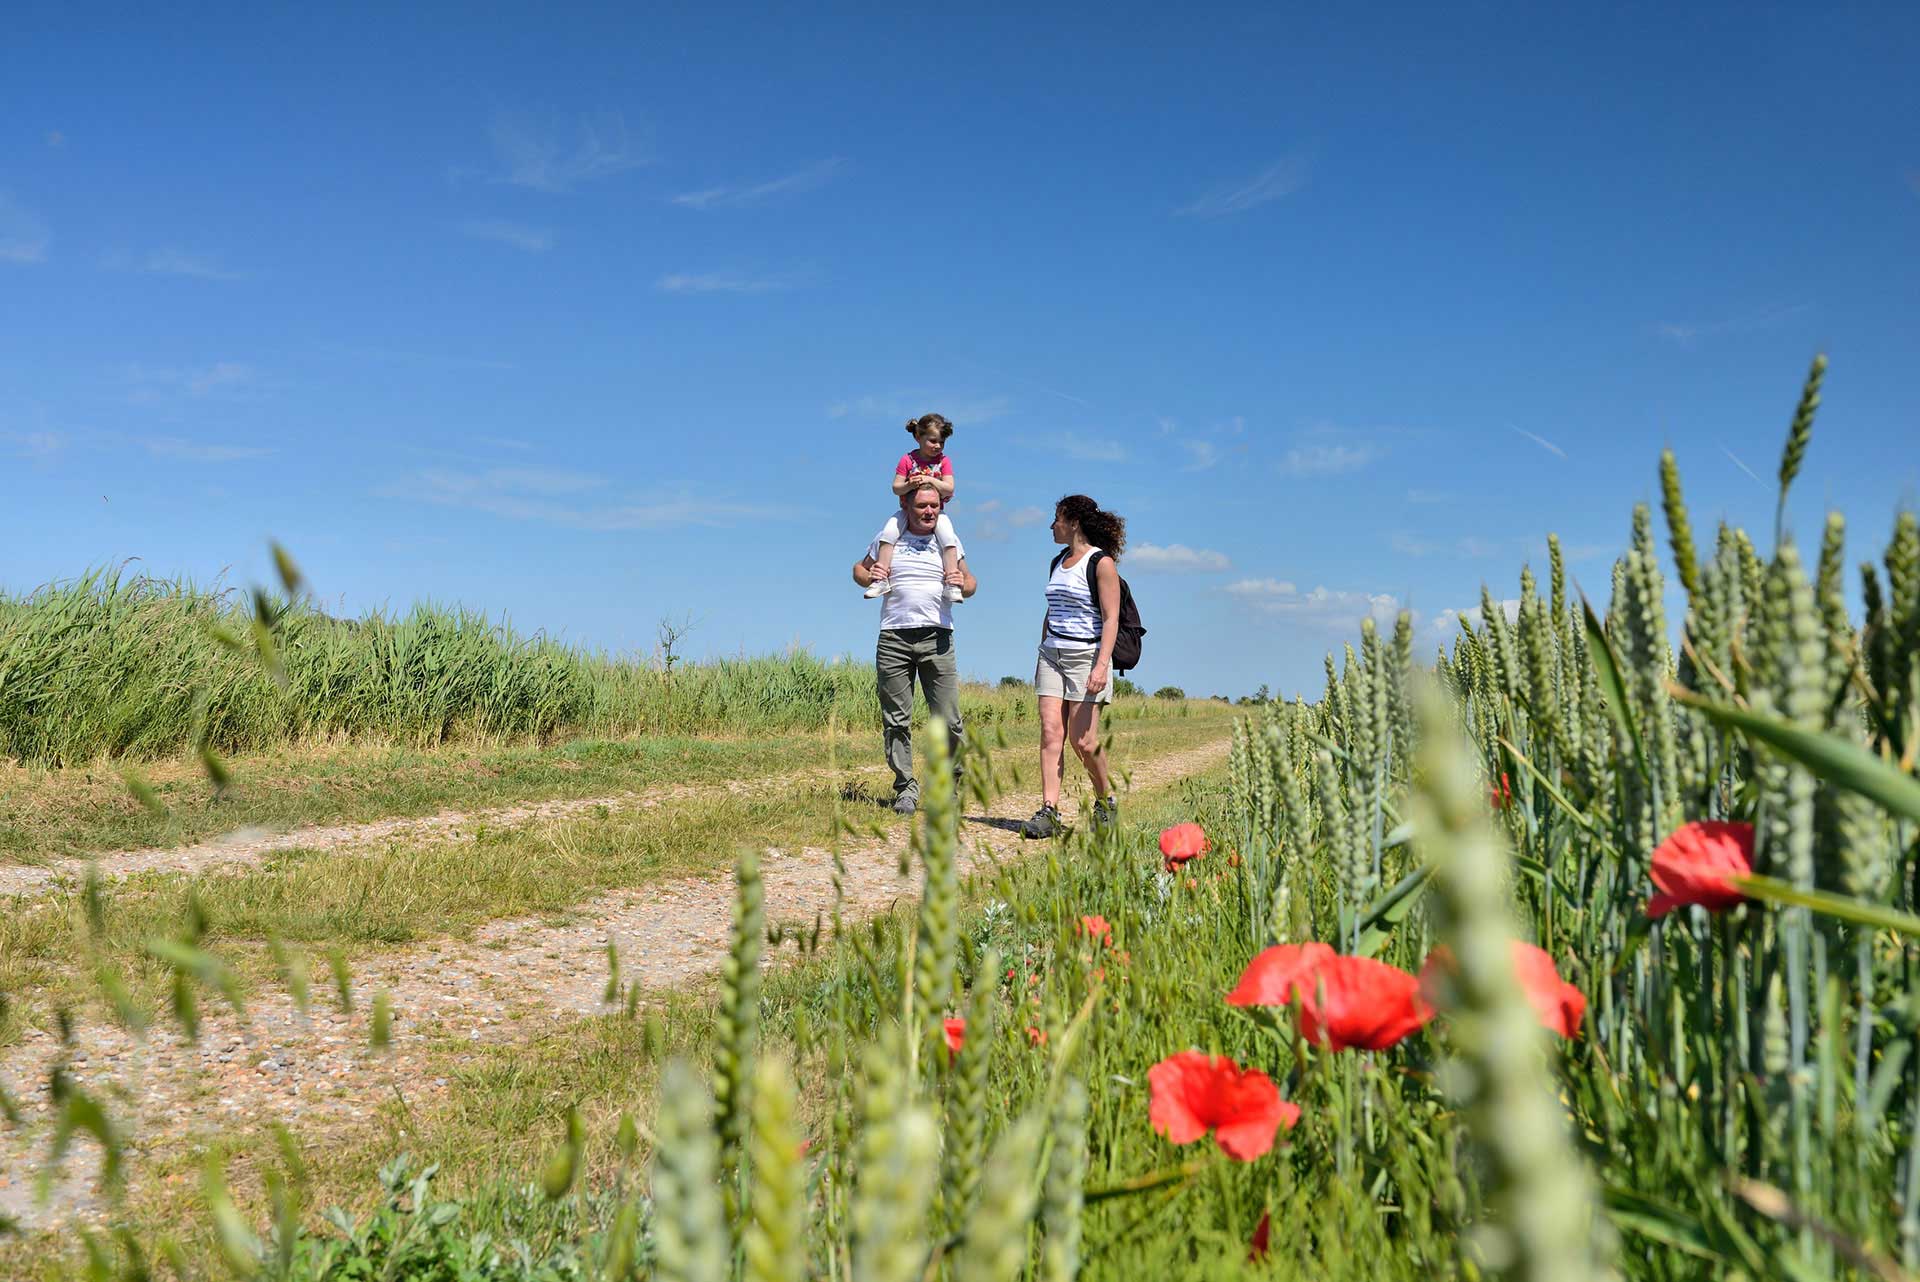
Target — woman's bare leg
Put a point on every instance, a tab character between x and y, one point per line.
1083	728
1053	748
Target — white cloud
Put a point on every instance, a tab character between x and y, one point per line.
23	234
1021	517
532	240
556	497
1080	447
721	283
1541	441
1327	460
1262	589
815	175
1277	180
1321	607
533	155
1176	558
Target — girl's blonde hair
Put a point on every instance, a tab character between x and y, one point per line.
915	426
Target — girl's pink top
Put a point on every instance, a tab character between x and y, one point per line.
911	462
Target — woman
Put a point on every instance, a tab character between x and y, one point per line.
1074	675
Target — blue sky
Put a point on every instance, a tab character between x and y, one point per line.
594	319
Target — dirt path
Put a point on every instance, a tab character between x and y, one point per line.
248	847
512	980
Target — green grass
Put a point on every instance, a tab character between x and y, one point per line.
114	666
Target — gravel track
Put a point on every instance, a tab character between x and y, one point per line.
511	981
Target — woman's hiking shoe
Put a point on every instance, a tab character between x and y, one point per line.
1045	823
1106	813
880	588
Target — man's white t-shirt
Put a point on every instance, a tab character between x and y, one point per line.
919	596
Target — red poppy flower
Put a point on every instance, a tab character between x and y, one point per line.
1503	794
1183	842
1257	1247
1695	864
1270	978
1559	1004
1036	1036
956	1031
1096	928
1345	1002
1193	1093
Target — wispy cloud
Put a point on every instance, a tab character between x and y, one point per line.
1467	546
570	499
1430	497
1327	460
542	156
995	522
532	240
1685	333
1541	441
204	380
1276	181
34	445
174	262
1201	455
1176	558
23	234
1735	460
1079	446
814	175
899	407
174	447
722	283
1321	607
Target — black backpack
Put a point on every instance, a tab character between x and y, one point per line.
1126	642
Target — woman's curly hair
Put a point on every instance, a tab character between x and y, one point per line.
1105	530
917	425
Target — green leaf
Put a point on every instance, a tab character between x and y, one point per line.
1612	684
1861	913
143	792
1665	1224
1391	909
290	577
1838	761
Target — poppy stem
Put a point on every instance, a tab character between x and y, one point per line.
1150	1181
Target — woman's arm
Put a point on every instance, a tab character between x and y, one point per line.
1108	575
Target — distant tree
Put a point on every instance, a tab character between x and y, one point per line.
1012	683
1125	689
1169	692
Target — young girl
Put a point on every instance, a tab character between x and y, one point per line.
926	464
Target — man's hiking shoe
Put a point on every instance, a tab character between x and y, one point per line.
1106	813
1045	823
880	588
906	803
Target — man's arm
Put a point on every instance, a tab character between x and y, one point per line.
863	571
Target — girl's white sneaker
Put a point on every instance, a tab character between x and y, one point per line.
880	588
955	596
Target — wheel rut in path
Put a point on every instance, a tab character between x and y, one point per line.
513	980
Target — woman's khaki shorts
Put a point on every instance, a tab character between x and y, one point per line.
1063	670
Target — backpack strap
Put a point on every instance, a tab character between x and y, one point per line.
1093	582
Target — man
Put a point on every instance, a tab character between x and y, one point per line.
916	636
